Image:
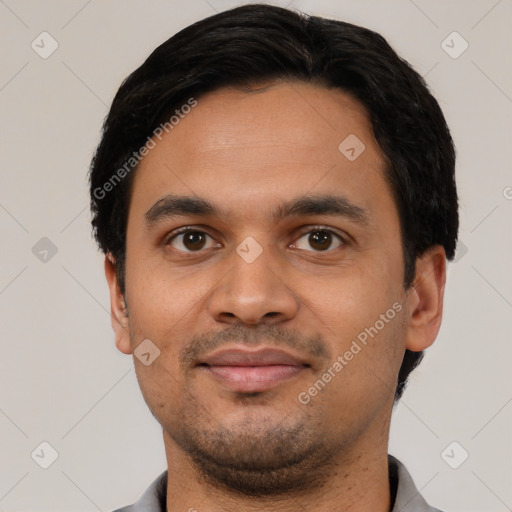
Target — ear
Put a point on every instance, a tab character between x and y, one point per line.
118	309
425	299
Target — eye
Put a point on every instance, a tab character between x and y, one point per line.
190	240
319	239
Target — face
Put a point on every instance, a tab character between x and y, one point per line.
264	263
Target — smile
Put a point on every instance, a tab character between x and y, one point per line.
250	371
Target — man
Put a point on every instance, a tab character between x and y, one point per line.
275	197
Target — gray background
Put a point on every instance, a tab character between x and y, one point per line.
62	380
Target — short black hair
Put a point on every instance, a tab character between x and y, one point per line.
255	45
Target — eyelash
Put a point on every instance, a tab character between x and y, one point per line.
189	229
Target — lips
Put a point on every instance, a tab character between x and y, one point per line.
244	370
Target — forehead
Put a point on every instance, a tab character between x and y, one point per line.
283	140
294	115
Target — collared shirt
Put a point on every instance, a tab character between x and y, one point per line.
407	499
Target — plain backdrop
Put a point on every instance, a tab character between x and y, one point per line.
62	380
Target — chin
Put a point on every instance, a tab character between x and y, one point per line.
255	453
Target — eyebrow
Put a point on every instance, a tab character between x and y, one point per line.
172	206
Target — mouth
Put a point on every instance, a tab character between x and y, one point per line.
249	371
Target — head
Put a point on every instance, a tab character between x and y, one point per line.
313	143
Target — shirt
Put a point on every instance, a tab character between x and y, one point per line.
407	499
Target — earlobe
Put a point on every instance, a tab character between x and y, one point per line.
118	308
425	301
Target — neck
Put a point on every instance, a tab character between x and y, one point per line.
356	481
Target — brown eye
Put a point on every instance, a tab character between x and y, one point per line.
319	240
190	241
194	240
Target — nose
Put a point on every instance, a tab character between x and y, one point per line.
253	292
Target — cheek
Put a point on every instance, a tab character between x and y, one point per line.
351	297
161	309
361	313
164	307
369	354
160	300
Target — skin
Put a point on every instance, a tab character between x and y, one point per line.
247	152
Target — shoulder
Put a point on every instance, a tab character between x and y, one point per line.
153	499
408	498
